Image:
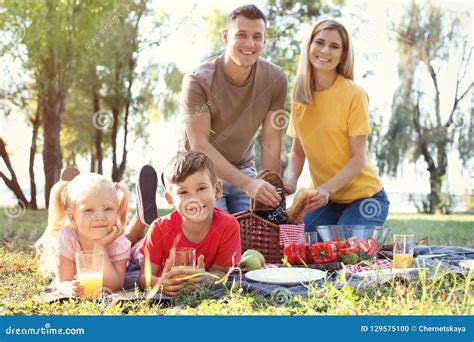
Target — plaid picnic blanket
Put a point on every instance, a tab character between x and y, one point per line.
290	233
379	263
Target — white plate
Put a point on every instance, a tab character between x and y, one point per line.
285	275
467	264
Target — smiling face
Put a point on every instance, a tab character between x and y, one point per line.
245	39
95	214
195	197
326	51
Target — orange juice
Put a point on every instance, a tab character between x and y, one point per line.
92	283
402	260
181	268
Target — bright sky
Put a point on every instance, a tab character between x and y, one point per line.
187	46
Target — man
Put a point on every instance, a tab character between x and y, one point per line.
225	101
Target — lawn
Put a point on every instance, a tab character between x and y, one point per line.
447	294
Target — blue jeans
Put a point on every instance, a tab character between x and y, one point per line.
371	211
233	199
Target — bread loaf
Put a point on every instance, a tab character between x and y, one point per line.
302	199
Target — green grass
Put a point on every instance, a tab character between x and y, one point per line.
451	230
447	294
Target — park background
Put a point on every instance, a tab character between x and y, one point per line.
97	84
120	67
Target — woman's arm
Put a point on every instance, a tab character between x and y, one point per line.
343	177
295	166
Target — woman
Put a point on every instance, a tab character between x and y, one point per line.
329	125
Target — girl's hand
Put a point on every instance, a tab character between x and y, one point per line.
77	289
116	232
71	288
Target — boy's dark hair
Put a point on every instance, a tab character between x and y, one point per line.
187	163
251	12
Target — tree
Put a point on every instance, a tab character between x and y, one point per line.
431	45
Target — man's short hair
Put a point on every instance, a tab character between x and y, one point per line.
251	12
187	163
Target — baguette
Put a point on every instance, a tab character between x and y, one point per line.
302	198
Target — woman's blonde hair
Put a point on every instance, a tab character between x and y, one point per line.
62	198
305	77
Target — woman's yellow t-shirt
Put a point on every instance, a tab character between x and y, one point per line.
324	127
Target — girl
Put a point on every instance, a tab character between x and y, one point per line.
83	215
329	125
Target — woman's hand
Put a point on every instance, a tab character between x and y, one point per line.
318	201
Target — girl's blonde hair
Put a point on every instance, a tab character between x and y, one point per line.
305	76
62	198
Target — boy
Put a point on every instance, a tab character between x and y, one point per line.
192	190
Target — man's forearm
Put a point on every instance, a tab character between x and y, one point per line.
271	158
295	167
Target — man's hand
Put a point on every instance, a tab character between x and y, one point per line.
263	192
289	187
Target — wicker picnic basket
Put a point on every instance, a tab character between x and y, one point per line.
258	233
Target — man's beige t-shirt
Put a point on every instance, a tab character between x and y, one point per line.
236	111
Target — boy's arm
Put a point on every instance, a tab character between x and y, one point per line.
169	285
155	269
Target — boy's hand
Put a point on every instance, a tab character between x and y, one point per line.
116	232
170	285
200	272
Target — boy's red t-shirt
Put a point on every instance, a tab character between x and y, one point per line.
221	245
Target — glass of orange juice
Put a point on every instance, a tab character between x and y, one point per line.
403	250
90	271
182	258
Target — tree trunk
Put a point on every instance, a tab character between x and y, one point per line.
98	133
115	175
12	182
92	167
36	122
53	113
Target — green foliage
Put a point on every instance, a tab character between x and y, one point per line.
430	42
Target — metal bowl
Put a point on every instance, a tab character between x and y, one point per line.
335	232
